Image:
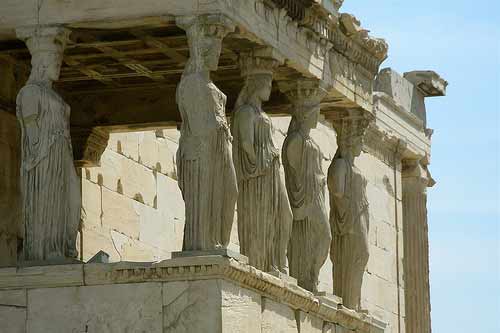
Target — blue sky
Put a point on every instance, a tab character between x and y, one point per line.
460	40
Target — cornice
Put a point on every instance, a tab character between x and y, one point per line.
190	269
319	28
401	111
386	147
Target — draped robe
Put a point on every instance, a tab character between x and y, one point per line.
311	237
50	186
264	213
349	219
205	167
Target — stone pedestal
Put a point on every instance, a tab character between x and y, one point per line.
188	295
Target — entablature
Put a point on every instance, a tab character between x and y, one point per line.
316	40
400	115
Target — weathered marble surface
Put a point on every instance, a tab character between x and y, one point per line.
49	184
416	178
264	213
349	213
179	295
305	183
96	309
206	172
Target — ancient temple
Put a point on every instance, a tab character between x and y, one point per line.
209	166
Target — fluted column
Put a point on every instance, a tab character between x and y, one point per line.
416	179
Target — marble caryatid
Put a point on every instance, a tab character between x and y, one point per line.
206	172
50	185
349	215
305	183
264	214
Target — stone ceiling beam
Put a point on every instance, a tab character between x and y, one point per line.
322	45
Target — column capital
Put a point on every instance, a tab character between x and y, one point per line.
415	172
304	92
40	38
215	25
262	60
350	126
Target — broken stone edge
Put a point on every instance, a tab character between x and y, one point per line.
189	269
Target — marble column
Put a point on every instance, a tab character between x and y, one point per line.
50	187
416	179
305	184
264	214
205	166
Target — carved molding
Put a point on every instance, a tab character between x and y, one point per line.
195	268
387	148
260	61
88	146
415	172
320	31
304	92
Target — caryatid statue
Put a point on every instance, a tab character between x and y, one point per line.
349	215
50	186
206	172
305	183
264	214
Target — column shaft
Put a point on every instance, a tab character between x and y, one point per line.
416	250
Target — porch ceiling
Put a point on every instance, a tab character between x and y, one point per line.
139	68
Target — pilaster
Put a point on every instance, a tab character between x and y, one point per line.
416	179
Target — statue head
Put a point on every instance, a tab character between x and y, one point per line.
304	119
46	45
257	89
46	66
205	34
257	67
205	51
350	134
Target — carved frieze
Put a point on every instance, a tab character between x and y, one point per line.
316	24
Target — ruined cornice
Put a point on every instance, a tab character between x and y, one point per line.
406	115
321	26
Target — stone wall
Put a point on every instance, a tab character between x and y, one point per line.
183	295
134	209
384	271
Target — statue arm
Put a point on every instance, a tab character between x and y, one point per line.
294	154
29	104
246	132
197	101
337	178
